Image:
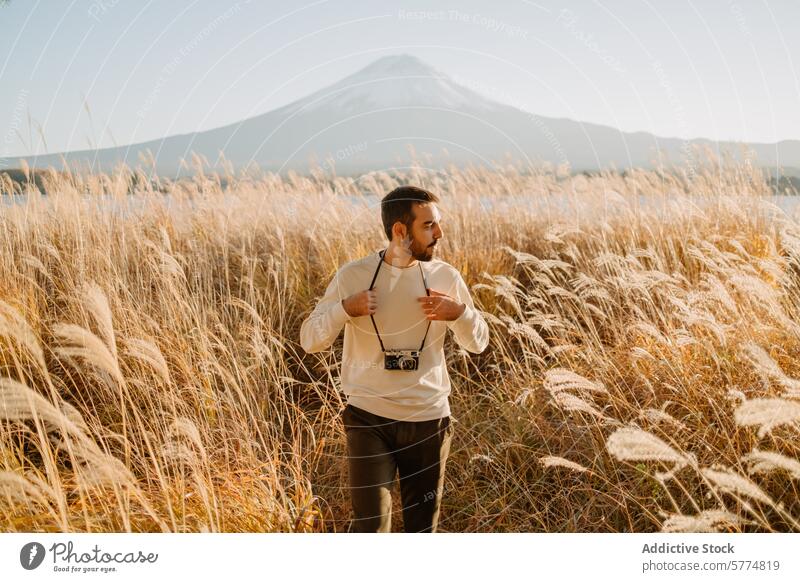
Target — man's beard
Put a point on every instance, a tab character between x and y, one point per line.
424	253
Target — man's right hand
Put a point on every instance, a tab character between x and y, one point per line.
361	303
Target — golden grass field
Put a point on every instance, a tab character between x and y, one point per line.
642	373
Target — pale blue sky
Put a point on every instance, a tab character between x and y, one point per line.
714	68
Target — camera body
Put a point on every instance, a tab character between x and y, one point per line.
404	360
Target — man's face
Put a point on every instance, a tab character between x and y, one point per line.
425	231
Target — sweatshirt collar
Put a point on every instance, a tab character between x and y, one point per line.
395	268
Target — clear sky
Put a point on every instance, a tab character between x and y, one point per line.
87	73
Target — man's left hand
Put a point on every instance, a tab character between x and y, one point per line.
441	307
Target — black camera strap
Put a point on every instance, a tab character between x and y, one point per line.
427	292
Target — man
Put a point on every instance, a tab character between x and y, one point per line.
396	307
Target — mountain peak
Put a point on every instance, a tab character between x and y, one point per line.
393	81
403	64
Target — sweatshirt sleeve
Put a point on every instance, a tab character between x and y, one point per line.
323	325
470	329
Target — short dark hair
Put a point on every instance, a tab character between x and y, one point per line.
397	205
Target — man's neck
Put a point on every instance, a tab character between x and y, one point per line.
398	257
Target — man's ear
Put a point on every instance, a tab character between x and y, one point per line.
399	230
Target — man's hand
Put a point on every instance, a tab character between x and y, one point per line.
361	303
441	307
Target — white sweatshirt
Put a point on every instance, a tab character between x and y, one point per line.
416	395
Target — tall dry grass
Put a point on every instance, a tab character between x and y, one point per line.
642	372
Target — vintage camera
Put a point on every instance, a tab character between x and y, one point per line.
406	360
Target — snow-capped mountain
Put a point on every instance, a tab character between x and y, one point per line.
368	120
393	81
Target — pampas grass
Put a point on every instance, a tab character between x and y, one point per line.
711	520
767	461
553	461
152	378
768	413
635	444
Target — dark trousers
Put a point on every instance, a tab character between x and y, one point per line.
377	447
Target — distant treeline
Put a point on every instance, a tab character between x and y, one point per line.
14	181
785	185
18	177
